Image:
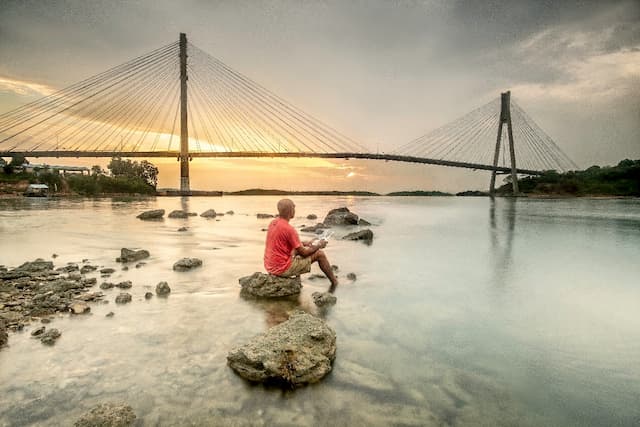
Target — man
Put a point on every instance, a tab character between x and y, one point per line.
286	256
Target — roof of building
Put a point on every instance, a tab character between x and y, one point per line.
38	186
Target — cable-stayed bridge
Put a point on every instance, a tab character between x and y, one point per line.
179	101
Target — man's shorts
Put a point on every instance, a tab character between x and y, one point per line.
299	265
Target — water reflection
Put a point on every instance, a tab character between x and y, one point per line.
502	230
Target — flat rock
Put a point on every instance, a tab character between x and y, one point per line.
298	351
364	235
80	308
38	331
152	214
124	285
162	289
50	337
264	216
106	285
88	269
107	415
107	270
186	264
322	299
123	298
36	266
230	212
178	214
314	228
181	229
340	216
269	286
210	213
132	255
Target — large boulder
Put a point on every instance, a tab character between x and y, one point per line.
36	266
269	286
208	214
363	235
340	216
107	415
152	214
186	264
298	351
130	255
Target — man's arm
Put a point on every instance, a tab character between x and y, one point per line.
306	250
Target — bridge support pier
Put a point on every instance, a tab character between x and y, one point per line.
184	131
505	118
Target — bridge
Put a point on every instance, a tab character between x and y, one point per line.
179	101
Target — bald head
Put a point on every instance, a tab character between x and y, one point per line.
286	209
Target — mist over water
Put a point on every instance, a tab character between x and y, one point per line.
465	311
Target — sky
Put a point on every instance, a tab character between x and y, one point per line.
381	72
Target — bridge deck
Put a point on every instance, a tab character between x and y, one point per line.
242	154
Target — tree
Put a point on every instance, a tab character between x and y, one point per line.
127	168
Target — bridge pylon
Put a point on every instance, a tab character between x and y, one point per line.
505	118
184	132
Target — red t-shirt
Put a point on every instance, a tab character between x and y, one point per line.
282	239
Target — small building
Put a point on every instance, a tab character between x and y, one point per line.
37	190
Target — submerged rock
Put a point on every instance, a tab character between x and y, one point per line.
88	269
109	314
230	212
178	214
50	337
269	286
351	276
264	216
322	299
124	285
123	298
80	308
152	214
340	216
298	351
107	270
314	228
363	222
208	214
312	216
365	235
107	415
183	229
131	255
162	289
38	331
186	264
148	295
106	285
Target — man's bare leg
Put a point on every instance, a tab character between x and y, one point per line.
325	266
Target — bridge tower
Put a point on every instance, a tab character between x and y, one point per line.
505	118
184	133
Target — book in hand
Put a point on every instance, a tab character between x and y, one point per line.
325	236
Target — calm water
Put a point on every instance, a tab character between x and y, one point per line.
464	312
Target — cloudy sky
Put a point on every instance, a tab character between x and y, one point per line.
381	72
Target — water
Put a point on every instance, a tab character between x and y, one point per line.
464	312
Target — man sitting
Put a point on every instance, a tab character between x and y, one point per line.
286	256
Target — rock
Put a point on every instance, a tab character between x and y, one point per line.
351	276
50	337
80	308
152	214
106	285
87	269
45	320
365	235
130	255
264	216
312	216
183	229
109	314
4	337
208	214
269	286
125	268
149	295
186	264
107	270
38	331
124	285
36	266
69	268
162	289
363	222
314	228
335	268
316	276
340	216
220	214
178	214
140	264
298	351
107	415
90	281
322	299
230	212
54	256
123	298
